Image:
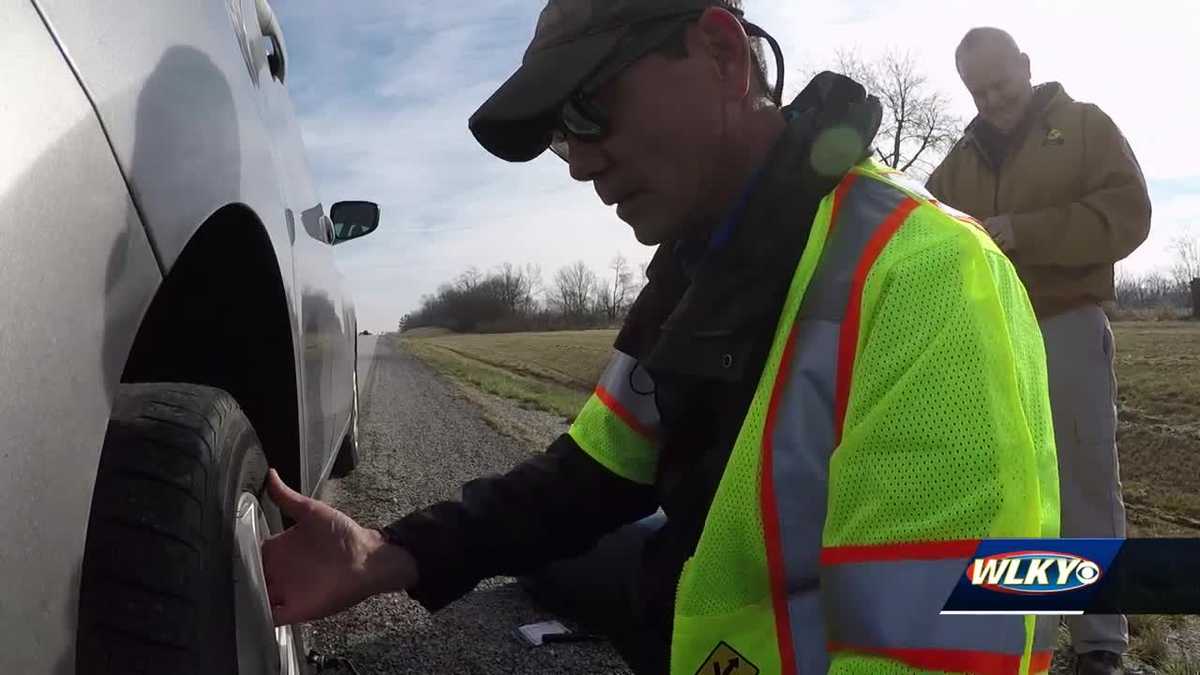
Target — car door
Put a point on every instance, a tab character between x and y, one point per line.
77	271
326	357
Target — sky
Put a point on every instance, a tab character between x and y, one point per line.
383	90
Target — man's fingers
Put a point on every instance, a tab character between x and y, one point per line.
293	504
284	615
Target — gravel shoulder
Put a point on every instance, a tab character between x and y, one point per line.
422	438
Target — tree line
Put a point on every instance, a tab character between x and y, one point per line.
514	298
1175	289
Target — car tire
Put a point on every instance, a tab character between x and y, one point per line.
347	457
172	576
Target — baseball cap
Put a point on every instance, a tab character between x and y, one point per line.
572	40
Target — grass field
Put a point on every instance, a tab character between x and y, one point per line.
1158	374
554	372
1158	382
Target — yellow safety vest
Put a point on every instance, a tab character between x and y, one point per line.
902	415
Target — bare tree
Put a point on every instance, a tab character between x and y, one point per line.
516	288
574	288
614	298
536	288
918	127
468	280
1187	259
1150	290
641	280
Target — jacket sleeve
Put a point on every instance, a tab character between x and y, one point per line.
554	505
937	180
946	440
1107	223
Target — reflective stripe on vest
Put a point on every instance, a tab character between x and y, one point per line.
794	424
619	424
741	589
907	626
797	444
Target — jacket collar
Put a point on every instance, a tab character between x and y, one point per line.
993	145
698	327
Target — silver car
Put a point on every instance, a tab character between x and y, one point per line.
174	324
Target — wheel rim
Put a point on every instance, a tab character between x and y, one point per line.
261	647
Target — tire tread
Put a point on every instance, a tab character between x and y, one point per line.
152	517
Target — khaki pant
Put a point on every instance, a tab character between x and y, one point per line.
1083	395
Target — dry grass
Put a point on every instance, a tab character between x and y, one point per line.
1183	664
571	358
554	372
1148	638
425	332
1161	313
1158	376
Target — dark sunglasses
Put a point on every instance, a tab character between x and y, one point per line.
588	122
583	118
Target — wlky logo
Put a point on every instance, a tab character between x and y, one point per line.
1033	572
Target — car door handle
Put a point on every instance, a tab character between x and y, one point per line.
277	60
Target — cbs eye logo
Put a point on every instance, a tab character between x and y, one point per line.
1033	572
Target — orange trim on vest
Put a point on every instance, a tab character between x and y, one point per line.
954	660
770	515
839	197
974	222
964	218
624	415
920	550
1040	661
848	339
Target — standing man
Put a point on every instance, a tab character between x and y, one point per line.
1058	188
831	385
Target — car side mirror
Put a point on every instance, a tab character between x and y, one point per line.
353	219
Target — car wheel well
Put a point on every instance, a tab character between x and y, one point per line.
221	319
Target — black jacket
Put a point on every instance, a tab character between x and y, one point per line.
703	336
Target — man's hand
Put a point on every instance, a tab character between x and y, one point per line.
1001	229
326	562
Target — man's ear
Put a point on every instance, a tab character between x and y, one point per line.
724	41
1025	65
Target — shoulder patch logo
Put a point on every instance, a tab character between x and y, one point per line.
725	660
1054	137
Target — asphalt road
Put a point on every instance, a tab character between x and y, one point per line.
421	440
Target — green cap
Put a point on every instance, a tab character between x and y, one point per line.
572	40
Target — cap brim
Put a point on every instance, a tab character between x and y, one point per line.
515	123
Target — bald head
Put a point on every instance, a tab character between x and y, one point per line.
997	74
986	37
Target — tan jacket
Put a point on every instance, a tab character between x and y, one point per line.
1073	189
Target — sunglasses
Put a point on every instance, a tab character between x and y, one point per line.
586	121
